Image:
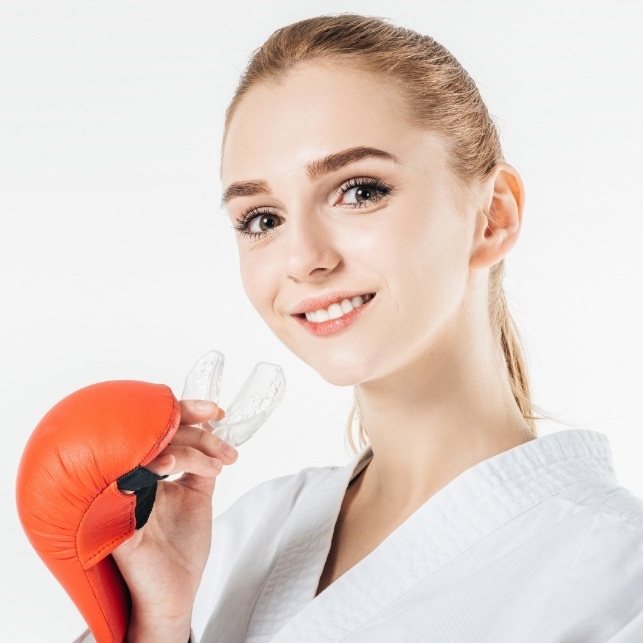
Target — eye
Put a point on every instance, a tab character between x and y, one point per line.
256	223
360	192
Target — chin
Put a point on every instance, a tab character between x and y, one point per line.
338	378
336	366
346	370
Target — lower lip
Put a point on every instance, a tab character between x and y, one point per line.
334	326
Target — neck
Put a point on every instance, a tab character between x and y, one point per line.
445	411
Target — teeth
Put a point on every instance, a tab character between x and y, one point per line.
334	311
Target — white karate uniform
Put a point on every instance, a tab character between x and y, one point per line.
536	544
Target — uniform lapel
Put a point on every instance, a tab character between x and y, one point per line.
477	502
293	579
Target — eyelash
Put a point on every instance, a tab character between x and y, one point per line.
243	222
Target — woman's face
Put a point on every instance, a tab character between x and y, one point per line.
342	195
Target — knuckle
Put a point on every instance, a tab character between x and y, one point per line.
201	460
182	454
203	439
210	444
221	443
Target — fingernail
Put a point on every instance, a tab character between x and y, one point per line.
229	450
204	406
215	462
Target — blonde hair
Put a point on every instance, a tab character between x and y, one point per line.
443	98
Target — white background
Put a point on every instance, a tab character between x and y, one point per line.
117	263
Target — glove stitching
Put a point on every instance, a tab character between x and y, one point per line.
100	605
170	424
88	562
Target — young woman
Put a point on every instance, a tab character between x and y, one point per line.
374	210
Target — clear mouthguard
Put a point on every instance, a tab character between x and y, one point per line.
259	396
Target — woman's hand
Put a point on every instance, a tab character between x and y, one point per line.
162	563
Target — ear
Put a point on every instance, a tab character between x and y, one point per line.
498	224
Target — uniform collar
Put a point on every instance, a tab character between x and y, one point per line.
586	445
479	501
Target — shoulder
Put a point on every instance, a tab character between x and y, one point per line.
605	532
591	567
610	503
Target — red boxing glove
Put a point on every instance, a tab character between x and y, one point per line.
90	446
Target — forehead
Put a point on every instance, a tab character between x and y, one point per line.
314	110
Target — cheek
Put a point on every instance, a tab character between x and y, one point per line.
426	263
257	281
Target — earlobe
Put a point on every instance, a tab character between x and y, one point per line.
499	226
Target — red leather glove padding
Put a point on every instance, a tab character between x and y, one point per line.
67	496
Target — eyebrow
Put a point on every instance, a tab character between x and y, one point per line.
314	170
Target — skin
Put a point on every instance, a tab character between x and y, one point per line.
431	381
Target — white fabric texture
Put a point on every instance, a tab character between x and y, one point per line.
535	544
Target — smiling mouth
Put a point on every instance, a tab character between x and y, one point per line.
336	310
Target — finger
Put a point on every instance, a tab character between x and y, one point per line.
189	460
196	411
162	465
198	483
204	441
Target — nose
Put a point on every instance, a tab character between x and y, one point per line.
309	250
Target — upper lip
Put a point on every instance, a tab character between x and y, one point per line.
323	301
